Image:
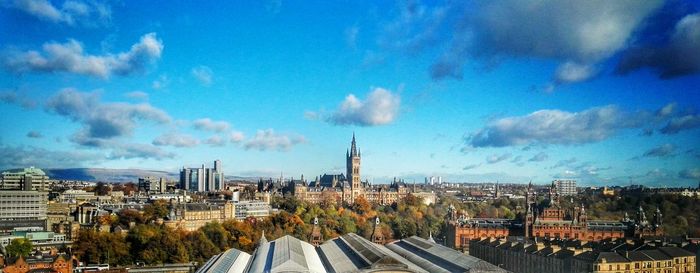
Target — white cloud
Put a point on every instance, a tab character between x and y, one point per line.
679	57
351	36
493	159
570	72
681	123
541	156
69	57
13	97
556	127
664	150
207	124
161	82
23	156
380	108
690	173
34	134
471	166
203	74
137	150
102	120
577	35
269	140
175	140
216	141
311	115
71	12
236	137
137	95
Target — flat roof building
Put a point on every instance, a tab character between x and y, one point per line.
27	179
22	209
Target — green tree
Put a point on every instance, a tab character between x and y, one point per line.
19	247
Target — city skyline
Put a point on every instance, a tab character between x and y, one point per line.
601	92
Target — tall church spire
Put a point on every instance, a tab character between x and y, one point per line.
353	146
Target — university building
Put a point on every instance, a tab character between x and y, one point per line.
192	216
345	187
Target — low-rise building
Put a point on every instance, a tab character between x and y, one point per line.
41	240
255	209
41	263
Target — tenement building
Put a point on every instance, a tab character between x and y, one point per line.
345	187
555	256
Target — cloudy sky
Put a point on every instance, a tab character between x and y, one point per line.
606	92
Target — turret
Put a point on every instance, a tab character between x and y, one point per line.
263	240
316	236
377	235
658	218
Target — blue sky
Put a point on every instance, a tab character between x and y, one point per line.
606	92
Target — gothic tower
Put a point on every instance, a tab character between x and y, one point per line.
529	206
353	168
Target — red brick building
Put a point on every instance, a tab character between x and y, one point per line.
51	264
550	220
553	221
461	228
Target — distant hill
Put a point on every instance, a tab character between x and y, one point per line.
118	175
106	175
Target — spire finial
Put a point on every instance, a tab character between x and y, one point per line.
263	240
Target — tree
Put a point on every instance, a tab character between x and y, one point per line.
361	206
101	189
217	234
155	210
19	247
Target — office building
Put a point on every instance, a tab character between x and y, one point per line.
22	209
27	179
255	209
152	184
202	179
565	187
